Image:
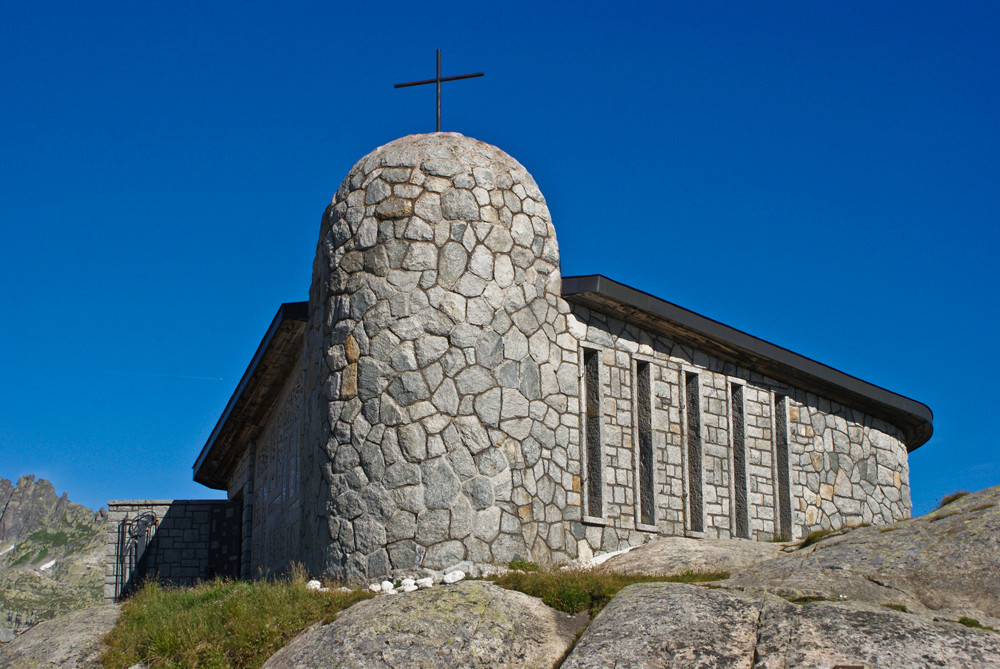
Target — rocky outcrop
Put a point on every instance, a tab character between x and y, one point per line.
919	593
33	505
667	625
470	624
873	596
948	560
675	555
71	641
51	553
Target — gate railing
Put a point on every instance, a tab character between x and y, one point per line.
134	534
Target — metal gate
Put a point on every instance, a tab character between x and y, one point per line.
134	534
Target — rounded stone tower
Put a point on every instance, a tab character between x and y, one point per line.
440	367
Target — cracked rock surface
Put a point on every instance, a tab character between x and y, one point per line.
675	555
946	563
70	641
470	624
670	625
939	567
667	625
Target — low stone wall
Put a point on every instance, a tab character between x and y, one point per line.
180	542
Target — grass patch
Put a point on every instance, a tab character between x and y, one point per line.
23	559
982	507
972	622
575	591
808	598
889	528
219	623
523	565
815	537
948	499
943	516
897	607
54	539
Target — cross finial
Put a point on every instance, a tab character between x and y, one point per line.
437	80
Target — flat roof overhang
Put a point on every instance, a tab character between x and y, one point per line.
601	294
251	403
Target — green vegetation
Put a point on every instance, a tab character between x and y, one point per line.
219	623
523	565
815	537
948	499
818	535
972	622
806	599
897	607
46	529
22	559
943	516
575	591
982	507
54	539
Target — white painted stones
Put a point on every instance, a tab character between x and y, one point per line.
454	577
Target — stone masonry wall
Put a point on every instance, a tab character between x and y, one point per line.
449	412
716	453
192	540
849	468
759	446
276	508
443	380
844	467
241	492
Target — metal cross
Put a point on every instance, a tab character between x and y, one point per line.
437	80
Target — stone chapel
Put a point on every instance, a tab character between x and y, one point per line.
446	397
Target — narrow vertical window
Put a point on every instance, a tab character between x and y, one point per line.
644	423
592	389
692	398
781	462
739	463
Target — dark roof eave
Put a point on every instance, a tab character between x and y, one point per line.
271	362
602	294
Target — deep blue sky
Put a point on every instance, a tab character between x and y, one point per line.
821	175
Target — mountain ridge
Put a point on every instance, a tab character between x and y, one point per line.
51	552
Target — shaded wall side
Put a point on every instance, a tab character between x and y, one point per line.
275	527
190	541
240	490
